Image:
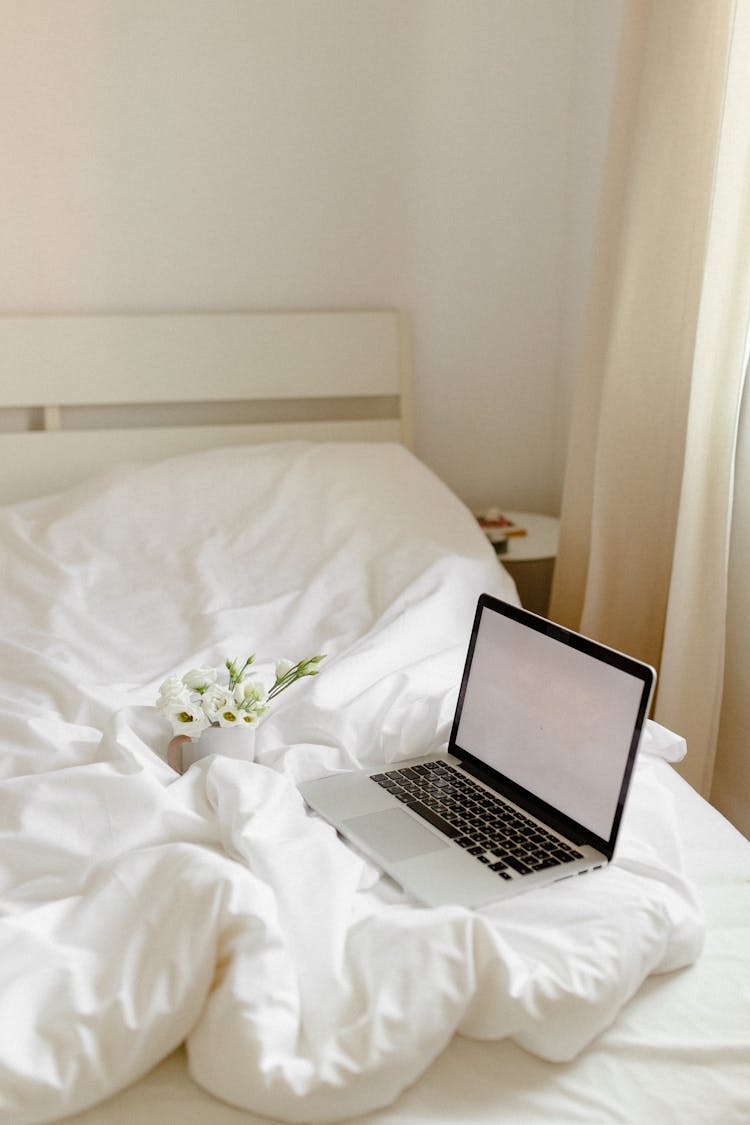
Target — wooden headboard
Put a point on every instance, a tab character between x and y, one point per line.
80	393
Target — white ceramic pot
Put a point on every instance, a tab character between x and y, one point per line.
231	742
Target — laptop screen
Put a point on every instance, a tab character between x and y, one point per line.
552	712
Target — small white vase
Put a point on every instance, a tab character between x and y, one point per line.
231	742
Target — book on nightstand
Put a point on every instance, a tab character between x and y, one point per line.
498	528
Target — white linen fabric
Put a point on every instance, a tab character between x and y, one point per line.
140	909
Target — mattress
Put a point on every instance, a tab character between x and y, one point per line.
203	948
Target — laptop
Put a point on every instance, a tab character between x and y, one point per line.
533	785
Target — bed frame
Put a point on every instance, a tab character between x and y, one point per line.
80	393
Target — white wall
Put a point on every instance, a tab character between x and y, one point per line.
513	102
439	154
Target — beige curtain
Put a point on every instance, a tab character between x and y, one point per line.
647	499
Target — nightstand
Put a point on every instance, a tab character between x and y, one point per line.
530	558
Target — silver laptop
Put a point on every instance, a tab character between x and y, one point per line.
533	786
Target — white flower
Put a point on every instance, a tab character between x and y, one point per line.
214	699
198	679
249	692
283	668
229	716
172	688
187	718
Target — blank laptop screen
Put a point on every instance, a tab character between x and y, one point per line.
550	718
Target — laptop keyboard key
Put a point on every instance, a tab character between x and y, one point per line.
434	819
516	864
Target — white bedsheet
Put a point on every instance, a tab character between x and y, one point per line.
140	910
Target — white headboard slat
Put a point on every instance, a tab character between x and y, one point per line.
64	360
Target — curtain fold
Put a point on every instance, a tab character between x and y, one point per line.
646	506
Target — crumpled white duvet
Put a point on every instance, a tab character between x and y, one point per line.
140	909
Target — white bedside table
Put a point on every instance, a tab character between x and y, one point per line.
530	558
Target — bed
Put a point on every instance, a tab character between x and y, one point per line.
201	948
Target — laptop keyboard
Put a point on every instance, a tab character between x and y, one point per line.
484	825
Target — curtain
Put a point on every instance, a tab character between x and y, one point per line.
730	790
646	507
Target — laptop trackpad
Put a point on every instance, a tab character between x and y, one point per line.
394	834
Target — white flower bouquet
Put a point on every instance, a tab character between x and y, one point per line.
198	700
